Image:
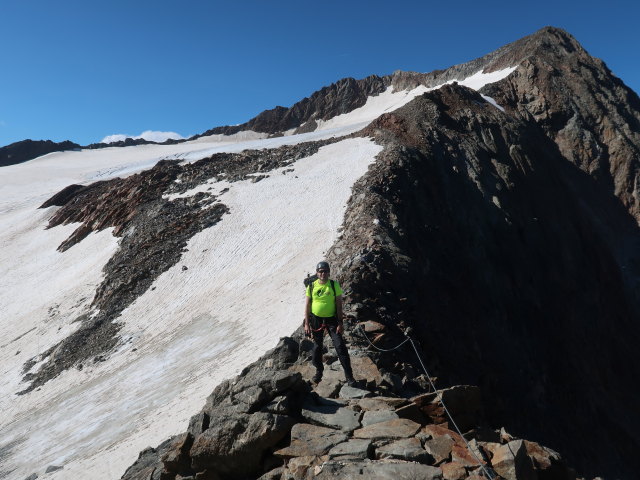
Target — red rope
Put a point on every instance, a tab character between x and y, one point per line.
322	327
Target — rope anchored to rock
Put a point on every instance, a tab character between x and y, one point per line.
438	395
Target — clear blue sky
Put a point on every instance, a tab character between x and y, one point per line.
83	69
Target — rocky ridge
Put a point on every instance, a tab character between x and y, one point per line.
348	94
270	422
475	230
25	150
469	230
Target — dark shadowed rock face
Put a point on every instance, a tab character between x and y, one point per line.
587	111
25	150
483	243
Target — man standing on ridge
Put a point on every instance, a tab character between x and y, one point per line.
323	311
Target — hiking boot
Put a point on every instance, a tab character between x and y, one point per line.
351	381
317	377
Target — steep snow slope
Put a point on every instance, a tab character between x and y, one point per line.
192	329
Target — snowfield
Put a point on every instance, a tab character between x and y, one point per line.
241	292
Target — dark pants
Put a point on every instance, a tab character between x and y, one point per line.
338	343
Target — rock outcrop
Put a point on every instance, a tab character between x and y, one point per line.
270	422
475	230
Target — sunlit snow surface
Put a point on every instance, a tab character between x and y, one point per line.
193	328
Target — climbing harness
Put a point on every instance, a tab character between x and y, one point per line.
409	339
323	325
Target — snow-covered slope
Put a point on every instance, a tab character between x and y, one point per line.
239	293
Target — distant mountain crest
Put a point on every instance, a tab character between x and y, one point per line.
24	150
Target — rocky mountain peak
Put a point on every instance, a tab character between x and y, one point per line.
348	94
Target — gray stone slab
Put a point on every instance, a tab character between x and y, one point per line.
381	403
392	429
378	416
340	418
311	440
351	392
328	387
353	449
409	449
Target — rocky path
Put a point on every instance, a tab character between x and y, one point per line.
271	422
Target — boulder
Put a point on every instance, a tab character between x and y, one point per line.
378	416
355	449
453	471
284	354
391	429
252	391
198	423
439	448
330	385
434	431
301	467
176	459
511	462
435	412
364	368
408	449
250	399
280	405
547	463
147	463
461	454
332	416
505	437
352	392
543	457
234	445
275	383
311	440
464	403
